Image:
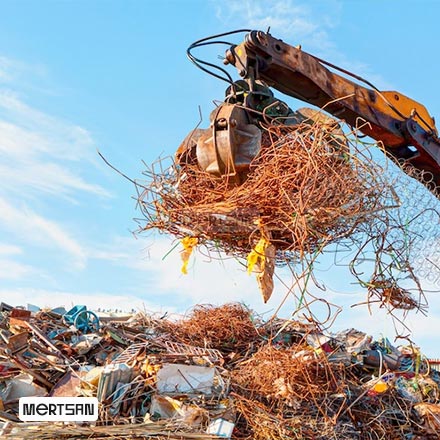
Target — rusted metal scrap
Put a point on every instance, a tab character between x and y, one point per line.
218	372
307	189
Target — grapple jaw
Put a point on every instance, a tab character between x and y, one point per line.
227	147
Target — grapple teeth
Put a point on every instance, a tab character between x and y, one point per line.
231	143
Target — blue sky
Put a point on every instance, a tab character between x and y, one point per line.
77	76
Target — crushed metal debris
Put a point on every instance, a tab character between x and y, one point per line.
219	372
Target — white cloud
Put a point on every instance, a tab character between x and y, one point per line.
5	67
37	229
298	22
39	152
294	21
9	249
124	251
283	15
11	270
42	159
58	138
45	177
12	70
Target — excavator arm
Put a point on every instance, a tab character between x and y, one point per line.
404	126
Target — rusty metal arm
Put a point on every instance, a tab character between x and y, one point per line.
394	119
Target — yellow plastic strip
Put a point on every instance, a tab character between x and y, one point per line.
257	255
188	244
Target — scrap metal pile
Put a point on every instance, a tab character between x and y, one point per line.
305	189
310	188
219	372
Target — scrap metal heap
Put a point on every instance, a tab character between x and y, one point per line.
310	187
304	189
219	372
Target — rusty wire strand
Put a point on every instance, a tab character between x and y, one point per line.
310	191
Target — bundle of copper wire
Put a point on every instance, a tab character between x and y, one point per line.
306	188
296	393
227	328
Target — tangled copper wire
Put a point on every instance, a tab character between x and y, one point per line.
289	381
387	291
284	388
306	189
295	393
227	328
